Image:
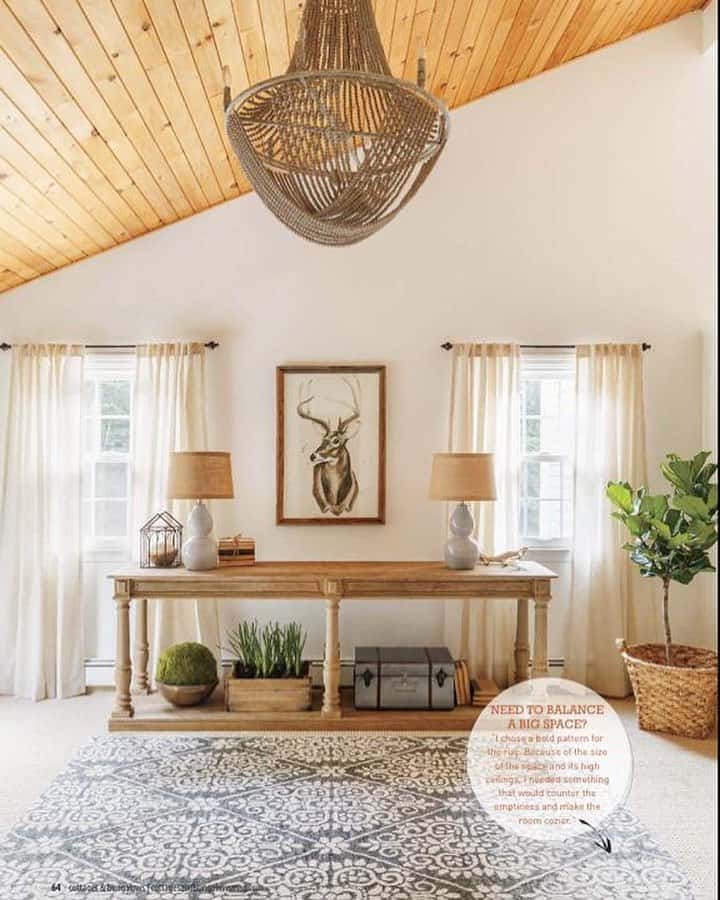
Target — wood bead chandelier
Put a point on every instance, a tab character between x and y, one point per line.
336	147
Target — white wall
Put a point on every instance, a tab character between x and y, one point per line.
574	207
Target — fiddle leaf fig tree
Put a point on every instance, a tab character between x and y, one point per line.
671	533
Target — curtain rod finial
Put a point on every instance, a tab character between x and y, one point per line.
5	346
446	346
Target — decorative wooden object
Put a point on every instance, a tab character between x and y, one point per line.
244	695
330	583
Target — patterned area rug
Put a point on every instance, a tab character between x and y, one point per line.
301	817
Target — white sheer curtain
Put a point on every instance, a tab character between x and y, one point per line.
605	592
484	415
41	636
169	414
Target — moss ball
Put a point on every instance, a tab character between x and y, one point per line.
188	663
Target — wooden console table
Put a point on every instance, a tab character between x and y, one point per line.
329	582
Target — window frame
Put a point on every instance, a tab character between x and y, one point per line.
549	364
105	366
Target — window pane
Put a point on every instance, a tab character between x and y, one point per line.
532	435
531	518
110	479
115	435
550	520
115	398
532	398
110	518
532	479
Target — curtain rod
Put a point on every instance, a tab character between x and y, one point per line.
448	346
211	345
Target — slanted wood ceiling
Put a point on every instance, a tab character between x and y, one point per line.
111	110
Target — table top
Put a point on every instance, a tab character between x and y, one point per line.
361	571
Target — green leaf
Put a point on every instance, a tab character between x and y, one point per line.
712	498
655	505
620	493
692	506
699	461
662	529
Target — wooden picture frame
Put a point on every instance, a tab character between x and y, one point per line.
331	453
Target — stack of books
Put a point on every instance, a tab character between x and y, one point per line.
236	551
462	683
484	691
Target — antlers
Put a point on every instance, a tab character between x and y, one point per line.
343	423
305	414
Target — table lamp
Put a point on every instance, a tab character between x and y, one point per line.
200	476
462	477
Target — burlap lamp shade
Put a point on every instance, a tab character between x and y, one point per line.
196	475
463	476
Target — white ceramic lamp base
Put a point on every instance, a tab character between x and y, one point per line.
461	550
200	549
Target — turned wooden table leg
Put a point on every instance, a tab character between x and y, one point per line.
331	666
522	641
540	649
142	647
123	665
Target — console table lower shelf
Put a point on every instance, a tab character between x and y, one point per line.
331	584
153	713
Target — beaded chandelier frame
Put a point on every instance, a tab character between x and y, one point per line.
336	147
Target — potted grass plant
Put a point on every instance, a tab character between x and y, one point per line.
675	685
268	673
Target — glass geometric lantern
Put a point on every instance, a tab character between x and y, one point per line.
160	542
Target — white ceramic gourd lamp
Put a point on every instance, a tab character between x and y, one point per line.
463	477
200	476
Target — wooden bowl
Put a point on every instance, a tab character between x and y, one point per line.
186	694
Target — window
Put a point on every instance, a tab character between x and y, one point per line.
107	409
547	424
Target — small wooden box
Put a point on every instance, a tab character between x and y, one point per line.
267	694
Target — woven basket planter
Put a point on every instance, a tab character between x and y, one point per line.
678	699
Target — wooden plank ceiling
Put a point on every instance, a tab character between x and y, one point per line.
111	110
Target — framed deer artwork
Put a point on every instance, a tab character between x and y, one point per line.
330	445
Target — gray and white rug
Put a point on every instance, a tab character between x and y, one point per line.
301	817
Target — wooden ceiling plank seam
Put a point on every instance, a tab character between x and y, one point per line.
29	217
109	32
150	52
585	14
652	15
11	243
541	63
249	27
482	41
53	93
43	202
200	37
675	8
500	35
437	29
623	10
48	38
93	57
37	244
385	19
419	39
274	29
169	28
293	14
26	165
400	37
521	51
514	38
630	20
543	33
597	28
227	40
451	48
466	47
9	280
13	264
24	132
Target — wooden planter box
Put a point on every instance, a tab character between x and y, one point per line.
267	694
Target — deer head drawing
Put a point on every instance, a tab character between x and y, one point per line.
335	486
